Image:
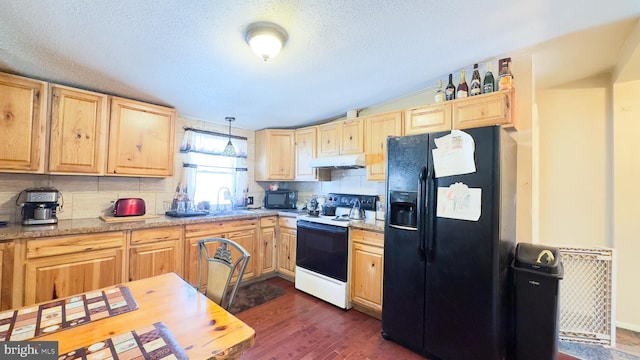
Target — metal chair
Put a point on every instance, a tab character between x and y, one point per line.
221	270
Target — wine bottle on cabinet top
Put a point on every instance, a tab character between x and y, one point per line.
476	87
450	90
439	96
463	88
488	84
505	81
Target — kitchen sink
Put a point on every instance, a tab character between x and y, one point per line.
230	212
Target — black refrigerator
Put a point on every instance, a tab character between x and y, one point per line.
448	244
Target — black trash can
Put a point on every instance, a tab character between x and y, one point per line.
537	271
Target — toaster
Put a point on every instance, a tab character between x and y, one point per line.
129	207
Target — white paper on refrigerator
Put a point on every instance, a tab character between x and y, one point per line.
458	201
454	154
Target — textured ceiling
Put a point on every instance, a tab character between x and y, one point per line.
340	55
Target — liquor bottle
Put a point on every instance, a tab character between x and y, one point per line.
488	84
439	96
450	90
463	88
505	81
476	87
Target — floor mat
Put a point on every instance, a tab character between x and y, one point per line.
254	294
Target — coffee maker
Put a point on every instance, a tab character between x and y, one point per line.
39	206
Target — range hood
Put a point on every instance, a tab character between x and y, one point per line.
352	161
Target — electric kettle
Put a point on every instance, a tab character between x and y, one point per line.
356	212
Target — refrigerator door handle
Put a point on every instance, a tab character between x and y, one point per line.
420	211
431	213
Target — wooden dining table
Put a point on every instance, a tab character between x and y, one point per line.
201	327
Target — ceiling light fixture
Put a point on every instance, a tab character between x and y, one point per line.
266	39
229	150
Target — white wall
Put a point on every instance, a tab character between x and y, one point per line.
573	157
626	226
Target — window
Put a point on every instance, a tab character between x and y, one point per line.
210	177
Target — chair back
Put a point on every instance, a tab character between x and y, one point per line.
220	269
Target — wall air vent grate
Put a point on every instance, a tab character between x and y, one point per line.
587	296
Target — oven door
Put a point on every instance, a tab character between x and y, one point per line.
323	249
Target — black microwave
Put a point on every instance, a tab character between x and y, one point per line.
280	199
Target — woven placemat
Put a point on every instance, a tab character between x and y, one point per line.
39	320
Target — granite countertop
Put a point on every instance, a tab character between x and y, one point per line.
95	225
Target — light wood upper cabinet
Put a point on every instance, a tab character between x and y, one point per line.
306	149
379	128
341	137
155	251
78	135
141	139
329	139
367	264
275	156
430	118
484	110
352	136
23	111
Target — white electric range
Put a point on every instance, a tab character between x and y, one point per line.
322	249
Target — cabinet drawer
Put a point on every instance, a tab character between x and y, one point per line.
288	222
216	227
367	237
60	245
269	221
154	235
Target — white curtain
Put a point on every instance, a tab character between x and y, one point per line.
206	159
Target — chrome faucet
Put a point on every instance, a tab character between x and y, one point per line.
227	196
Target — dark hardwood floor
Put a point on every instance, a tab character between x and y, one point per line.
299	326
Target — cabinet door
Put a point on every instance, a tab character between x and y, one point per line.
141	139
78	137
379	127
367	265
352	136
275	155
329	139
246	239
268	250
155	251
431	118
306	149
287	252
23	109
155	259
56	277
483	110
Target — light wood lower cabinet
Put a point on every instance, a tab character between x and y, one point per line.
367	255
155	251
267	246
241	231
287	246
62	266
6	275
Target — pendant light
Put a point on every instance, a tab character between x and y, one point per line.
229	150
